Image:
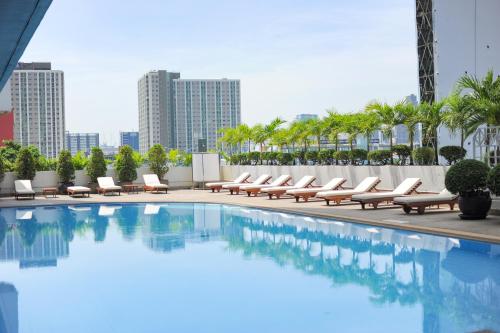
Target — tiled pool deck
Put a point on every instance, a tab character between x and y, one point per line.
438	221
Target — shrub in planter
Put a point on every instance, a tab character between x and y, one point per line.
65	170
272	157
235	159
96	166
380	157
452	154
325	156
423	156
284	158
358	156
157	157
25	164
80	161
301	156
469	178
493	180
342	156
126	165
2	168
402	152
254	157
312	156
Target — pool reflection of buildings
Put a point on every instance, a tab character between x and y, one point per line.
9	319
167	232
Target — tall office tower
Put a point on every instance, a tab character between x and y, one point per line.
306	116
131	139
37	94
156	122
455	37
202	108
84	142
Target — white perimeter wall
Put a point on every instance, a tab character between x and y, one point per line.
467	40
432	176
177	177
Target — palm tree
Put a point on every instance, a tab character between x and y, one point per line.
409	115
270	128
280	138
368	123
388	117
333	123
245	133
259	136
294	133
317	128
458	116
351	127
431	118
229	138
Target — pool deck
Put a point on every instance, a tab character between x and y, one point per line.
436	221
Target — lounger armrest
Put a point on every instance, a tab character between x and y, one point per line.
382	190
425	192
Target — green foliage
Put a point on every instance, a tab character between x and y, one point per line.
80	161
452	154
403	152
96	166
138	158
342	156
466	176
9	151
180	158
65	168
358	156
423	156
325	156
254	157
284	158
46	164
380	157
301	156
2	168
125	164
493	180
157	158
235	159
312	156
25	164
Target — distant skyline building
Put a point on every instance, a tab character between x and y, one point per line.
306	116
37	95
131	139
109	151
84	142
185	114
202	108
156	109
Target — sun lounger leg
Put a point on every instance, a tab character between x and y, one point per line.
362	205
327	202
407	209
452	206
297	199
421	210
270	195
213	190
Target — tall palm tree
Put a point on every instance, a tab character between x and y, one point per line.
333	123
351	127
280	138
317	128
270	128
388	117
368	123
294	133
228	139
245	133
458	116
431	118
409	115
259	136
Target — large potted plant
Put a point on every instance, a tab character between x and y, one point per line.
25	164
96	166
468	178
157	158
126	165
65	170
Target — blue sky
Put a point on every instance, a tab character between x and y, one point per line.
291	56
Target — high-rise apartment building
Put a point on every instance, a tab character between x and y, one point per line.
185	114
202	108
84	142
37	94
306	116
156	109
131	139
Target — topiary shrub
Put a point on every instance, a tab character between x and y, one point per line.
65	168
452	154
126	165
358	156
272	157
325	156
342	156
312	156
157	157
493	180
402	152
254	157
380	157
244	159
301	156
25	164
466	176
234	159
96	166
423	156
284	158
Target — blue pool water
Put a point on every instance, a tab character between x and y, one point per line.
217	268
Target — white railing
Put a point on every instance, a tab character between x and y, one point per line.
486	144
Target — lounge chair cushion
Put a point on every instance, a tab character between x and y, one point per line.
78	189
239	180
152	180
405	187
302	183
107	183
23	187
259	181
331	185
444	195
366	185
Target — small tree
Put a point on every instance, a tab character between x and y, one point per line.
96	166
452	154
80	161
402	152
2	168
157	158
126	165
26	164
65	167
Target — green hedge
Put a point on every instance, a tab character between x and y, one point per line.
380	157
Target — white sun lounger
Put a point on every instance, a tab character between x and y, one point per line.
277	191
307	193
107	185
406	187
78	190
241	179
420	202
235	188
255	189
23	189
152	183
368	184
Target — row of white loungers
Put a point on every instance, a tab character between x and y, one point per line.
365	192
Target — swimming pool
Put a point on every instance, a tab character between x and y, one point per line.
217	268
